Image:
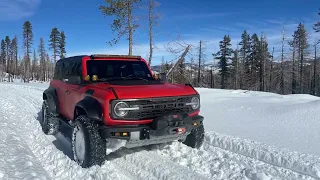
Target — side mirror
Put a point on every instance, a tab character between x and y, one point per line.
73	80
163	77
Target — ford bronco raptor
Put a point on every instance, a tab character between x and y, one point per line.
105	97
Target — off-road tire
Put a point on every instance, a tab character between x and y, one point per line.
49	123
94	145
195	138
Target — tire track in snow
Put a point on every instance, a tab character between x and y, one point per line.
55	163
122	169
304	164
217	163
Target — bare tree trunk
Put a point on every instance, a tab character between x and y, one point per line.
199	70
282	64
294	81
315	71
270	74
237	69
264	69
301	64
150	31
130	26
301	72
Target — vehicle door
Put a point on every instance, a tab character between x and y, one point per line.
72	92
59	84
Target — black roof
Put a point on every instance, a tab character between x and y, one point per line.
78	59
72	59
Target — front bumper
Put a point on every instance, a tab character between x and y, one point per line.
161	130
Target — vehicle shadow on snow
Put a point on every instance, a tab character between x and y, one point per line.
125	151
61	140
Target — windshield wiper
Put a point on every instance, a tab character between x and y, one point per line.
136	78
105	80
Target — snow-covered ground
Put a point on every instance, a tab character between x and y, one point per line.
249	135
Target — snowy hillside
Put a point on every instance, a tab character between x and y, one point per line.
249	135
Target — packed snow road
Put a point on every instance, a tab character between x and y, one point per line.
26	153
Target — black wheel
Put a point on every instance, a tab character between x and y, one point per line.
195	138
88	147
49	123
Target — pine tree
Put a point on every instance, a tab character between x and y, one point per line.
14	49
224	55
34	68
317	25
255	59
235	68
123	23
167	67
7	44
62	45
3	53
27	42
54	43
282	64
293	44
42	58
245	50
300	38
162	67
265	55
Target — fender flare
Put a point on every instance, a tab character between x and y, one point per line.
91	107
50	95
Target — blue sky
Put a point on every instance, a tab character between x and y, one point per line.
88	31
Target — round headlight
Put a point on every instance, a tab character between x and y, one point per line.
120	109
195	103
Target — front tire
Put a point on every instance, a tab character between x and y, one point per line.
49	123
195	138
88	147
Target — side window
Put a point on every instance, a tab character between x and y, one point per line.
63	71
76	71
58	71
68	69
138	70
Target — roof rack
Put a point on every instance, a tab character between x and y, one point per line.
115	56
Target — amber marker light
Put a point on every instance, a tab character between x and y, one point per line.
87	78
94	78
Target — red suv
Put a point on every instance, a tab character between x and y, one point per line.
104	97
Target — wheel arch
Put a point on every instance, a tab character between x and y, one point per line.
50	95
90	107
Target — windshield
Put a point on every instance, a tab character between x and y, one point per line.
117	70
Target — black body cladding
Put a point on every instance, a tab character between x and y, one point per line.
52	99
92	108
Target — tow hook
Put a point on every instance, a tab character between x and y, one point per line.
180	130
145	134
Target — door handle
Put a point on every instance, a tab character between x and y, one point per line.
67	92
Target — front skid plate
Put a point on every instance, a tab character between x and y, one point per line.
155	140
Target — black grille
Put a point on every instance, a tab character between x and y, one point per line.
157	107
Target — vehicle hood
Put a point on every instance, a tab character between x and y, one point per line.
150	91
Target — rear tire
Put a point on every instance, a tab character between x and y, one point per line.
88	147
49	123
195	138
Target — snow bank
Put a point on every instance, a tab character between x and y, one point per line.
301	163
285	121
